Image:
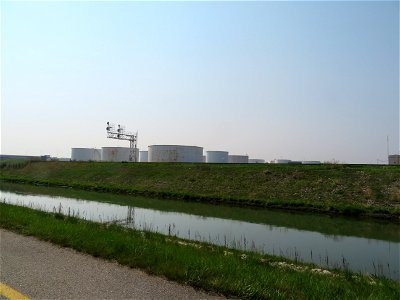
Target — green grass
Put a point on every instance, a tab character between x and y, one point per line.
212	268
12	163
358	190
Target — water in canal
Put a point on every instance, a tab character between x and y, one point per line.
360	245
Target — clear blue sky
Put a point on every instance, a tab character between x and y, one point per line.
297	80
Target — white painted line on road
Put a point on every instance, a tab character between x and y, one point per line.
10	293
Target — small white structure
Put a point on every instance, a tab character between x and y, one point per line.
256	161
281	161
143	156
117	154
238	159
175	153
63	159
85	154
217	157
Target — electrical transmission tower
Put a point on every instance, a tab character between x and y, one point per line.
121	134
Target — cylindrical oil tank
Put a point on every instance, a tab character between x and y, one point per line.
256	161
238	159
143	156
97	155
217	157
118	154
85	154
175	153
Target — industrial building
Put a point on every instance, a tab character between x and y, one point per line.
168	153
155	153
178	153
294	162
175	153
256	161
238	159
394	159
110	154
85	154
217	157
143	156
280	161
118	154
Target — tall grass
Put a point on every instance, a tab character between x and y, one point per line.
13	163
344	189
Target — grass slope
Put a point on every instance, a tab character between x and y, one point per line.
232	273
345	189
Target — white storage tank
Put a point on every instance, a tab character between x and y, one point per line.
118	154
85	154
175	153
143	156
217	157
97	155
238	159
256	161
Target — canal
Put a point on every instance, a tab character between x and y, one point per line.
360	245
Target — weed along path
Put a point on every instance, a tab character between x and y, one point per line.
40	270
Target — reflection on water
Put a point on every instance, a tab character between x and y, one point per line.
360	254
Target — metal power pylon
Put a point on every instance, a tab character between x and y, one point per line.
121	134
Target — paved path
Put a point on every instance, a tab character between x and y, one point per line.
40	270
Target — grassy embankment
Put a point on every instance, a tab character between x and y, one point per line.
212	268
339	189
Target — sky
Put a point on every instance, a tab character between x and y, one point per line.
313	80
